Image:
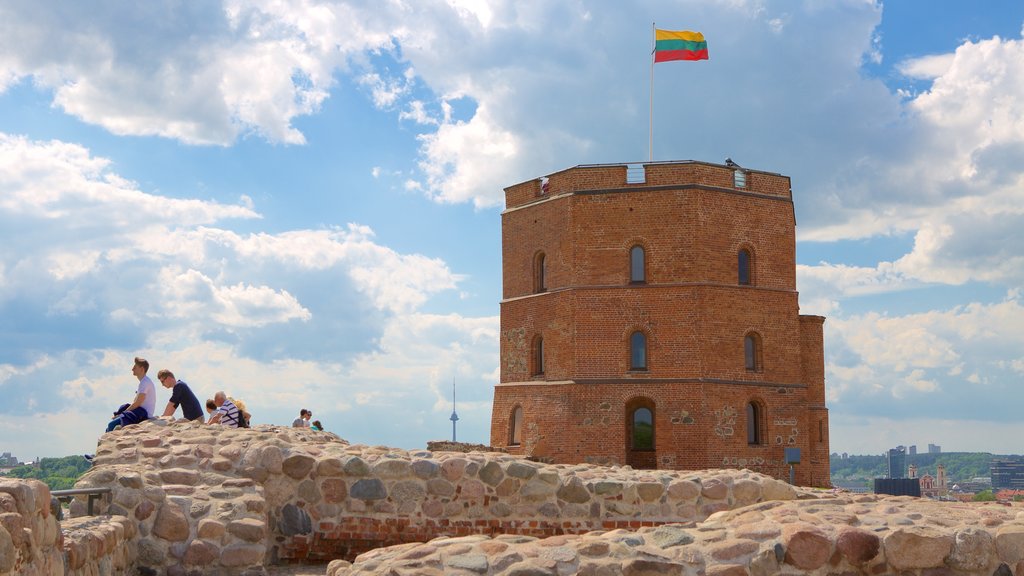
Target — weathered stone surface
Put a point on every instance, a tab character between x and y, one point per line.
746	491
607	488
150	553
537	489
272	459
714	489
651	567
472	562
7	551
425	469
210	529
917	547
649	491
294	520
242	555
807	546
407	491
731	551
1010	543
297	465
440	487
521	470
355	466
334	490
670	536
201	553
179	476
368	489
492	474
171	523
248	529
973	549
858	546
392	468
329	467
574	491
309	492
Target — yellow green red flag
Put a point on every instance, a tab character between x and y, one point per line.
679	45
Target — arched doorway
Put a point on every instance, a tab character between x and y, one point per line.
641	434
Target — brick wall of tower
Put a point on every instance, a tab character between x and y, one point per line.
691	219
697	425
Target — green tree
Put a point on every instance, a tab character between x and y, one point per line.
984	496
57	473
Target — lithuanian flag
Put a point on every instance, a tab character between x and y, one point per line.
679	45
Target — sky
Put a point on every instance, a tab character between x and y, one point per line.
298	202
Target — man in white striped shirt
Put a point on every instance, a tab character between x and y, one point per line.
226	413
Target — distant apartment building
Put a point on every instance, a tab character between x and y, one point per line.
897	460
934	449
1007	474
912	450
6	459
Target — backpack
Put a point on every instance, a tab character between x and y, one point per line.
243	414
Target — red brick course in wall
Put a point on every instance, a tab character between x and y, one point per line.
354	536
691	221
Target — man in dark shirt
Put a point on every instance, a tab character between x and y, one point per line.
182	395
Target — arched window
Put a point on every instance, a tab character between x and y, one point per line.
642	437
752	352
638	351
743	266
755	418
540	282
538	356
515	429
636	265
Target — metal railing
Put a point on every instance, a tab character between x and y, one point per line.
65	496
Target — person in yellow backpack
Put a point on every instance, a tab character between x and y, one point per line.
227	413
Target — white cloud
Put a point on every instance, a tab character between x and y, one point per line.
191	294
926	67
206	75
462	158
914	355
276	317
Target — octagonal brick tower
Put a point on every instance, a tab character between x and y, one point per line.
650	317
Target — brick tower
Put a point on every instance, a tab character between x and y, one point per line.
649	317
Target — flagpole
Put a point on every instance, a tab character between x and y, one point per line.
650	131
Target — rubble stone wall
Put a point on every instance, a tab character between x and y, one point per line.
30	539
208	498
104	545
848	535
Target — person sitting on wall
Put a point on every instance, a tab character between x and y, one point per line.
145	399
316	426
181	395
303	420
227	413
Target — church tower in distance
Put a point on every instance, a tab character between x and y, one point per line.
650	317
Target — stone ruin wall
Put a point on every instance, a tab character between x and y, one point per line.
188	499
239	499
30	538
34	543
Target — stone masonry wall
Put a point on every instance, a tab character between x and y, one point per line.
105	545
208	498
846	535
30	539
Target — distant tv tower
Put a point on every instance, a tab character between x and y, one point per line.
455	417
